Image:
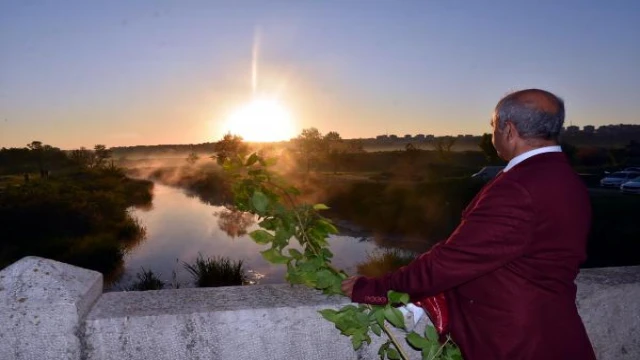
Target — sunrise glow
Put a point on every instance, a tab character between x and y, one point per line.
262	120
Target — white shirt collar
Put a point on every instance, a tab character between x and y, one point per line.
524	156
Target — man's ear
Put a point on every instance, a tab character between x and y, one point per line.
511	131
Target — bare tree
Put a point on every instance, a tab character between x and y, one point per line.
443	146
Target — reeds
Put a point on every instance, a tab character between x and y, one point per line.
147	280
216	271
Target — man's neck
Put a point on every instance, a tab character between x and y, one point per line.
529	145
532	152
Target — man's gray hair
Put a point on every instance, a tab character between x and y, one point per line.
530	121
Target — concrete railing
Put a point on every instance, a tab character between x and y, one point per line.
51	310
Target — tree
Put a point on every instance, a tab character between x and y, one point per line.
334	148
571	152
35	148
102	154
443	146
192	158
83	157
490	153
332	136
411	152
231	147
309	144
633	149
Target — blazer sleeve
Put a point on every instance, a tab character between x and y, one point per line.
494	232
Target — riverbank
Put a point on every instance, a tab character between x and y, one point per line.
78	217
414	215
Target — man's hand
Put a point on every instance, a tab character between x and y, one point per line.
347	285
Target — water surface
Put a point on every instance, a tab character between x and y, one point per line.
179	227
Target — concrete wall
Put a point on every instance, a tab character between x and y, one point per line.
51	310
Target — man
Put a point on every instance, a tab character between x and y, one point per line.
508	270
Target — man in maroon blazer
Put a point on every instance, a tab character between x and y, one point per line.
508	270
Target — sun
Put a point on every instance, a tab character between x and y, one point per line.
261	120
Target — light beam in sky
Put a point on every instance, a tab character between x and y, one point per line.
254	61
264	118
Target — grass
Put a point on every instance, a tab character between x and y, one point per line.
9	180
147	280
216	271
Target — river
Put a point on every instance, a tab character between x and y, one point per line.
179	227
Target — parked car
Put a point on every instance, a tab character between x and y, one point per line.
616	179
631	187
487	173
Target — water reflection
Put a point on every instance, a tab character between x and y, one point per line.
234	222
179	227
382	261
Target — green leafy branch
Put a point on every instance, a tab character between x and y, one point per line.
308	259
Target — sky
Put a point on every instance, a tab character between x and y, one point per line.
79	73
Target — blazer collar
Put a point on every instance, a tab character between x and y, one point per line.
524	156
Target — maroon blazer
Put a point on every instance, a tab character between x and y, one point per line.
508	270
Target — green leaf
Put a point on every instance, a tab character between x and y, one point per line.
329	314
430	352
295	254
431	333
252	159
397	297
282	236
326	226
394	316
325	278
379	314
261	236
320	207
362	319
326	253
383	349
393	354
454	353
356	341
308	278
273	256
260	202
417	341
376	329
269	224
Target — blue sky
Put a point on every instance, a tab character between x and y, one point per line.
77	73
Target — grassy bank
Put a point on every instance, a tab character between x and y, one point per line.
79	217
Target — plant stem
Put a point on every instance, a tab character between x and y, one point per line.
435	356
395	342
305	238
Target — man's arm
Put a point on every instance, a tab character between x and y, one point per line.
495	232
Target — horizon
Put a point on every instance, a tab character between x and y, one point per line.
144	74
399	137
